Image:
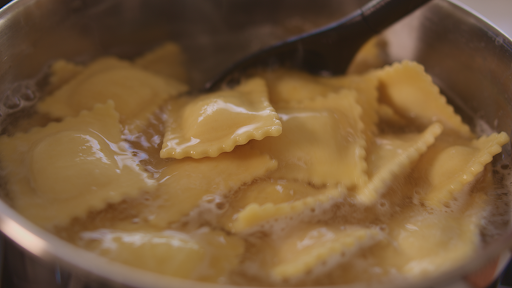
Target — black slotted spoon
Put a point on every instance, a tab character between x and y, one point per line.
329	49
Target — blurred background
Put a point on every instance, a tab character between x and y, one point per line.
496	11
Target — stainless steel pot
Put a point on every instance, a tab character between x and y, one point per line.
468	58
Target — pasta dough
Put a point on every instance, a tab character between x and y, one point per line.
322	142
135	92
408	89
62	72
175	197
367	96
217	122
203	255
166	60
457	231
392	157
266	192
357	178
255	215
289	86
72	167
305	249
448	167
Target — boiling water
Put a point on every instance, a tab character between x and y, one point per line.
17	115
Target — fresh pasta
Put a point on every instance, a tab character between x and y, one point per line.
287	179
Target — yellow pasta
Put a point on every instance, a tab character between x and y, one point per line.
448	167
388	116
408	89
175	197
289	86
217	122
135	92
393	156
456	233
315	249
322	142
62	72
370	56
263	192
71	167
203	255
367	94
166	60
254	215
286	179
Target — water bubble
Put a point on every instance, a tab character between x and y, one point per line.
28	95
209	198
221	206
12	102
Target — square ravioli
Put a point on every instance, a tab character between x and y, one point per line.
186	182
408	89
204	254
322	142
217	122
271	199
454	232
452	164
287	87
166	60
308	251
71	167
391	157
254	216
135	92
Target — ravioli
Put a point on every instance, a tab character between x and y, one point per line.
367	94
176	197
370	56
167	60
360	179
135	92
388	116
254	215
449	166
204	255
322	142
456	233
266	191
62	72
217	122
393	156
410	91
311	250
71	167
289	86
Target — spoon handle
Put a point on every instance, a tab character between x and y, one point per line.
329	49
380	14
